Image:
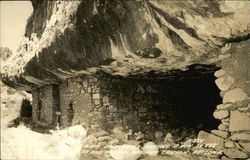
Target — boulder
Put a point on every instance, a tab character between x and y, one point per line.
226	158
104	138
159	136
96	96
219	73
210	138
246	146
234	95
234	153
219	133
101	133
224	106
224	83
229	144
240	136
220	114
239	121
114	142
90	140
169	138
222	127
125	152
225	123
77	131
244	109
139	136
150	149
222	93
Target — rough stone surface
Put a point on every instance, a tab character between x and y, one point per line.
210	138
169	138
90	140
239	121
229	144
114	142
226	158
246	146
137	36
220	114
159	136
220	73
234	153
47	105
222	93
150	149
219	133
224	106
77	131
225	123
241	136
104	138
234	95
101	133
244	109
125	152
223	127
224	83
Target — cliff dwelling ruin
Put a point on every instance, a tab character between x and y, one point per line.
148	104
146	70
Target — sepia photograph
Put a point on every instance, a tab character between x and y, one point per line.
125	79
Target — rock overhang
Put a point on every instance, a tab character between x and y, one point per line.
124	38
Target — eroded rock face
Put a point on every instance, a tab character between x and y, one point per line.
66	38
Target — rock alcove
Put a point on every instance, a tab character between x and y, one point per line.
141	66
178	101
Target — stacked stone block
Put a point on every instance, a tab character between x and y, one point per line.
234	114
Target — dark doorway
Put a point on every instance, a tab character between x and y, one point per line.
26	108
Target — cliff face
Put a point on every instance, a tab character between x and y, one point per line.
66	38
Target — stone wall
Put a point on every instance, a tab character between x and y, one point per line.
234	112
144	105
151	106
76	102
44	103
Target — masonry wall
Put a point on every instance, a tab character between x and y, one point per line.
35	100
234	113
78	93
46	98
106	102
145	105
